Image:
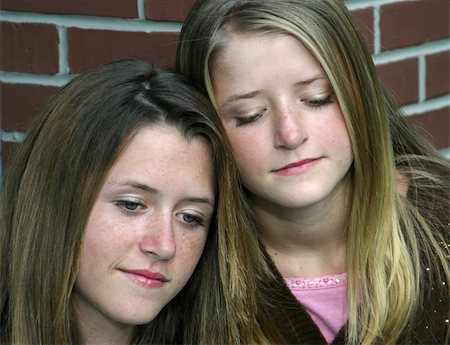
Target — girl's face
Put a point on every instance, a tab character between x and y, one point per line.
146	231
286	129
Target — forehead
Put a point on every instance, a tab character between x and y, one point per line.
237	45
163	147
252	58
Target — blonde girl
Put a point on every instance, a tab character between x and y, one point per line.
351	200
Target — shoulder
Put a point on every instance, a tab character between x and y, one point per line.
285	312
432	322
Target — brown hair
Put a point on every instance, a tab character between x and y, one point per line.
54	178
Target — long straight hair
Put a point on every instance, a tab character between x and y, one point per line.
54	179
390	239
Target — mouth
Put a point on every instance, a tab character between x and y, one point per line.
298	167
146	278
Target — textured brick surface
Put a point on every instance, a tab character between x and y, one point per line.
438	74
402	80
413	22
37	51
17	114
91	48
364	18
435	125
111	8
173	10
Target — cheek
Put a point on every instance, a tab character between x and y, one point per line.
335	129
235	140
252	160
104	237
343	137
246	147
190	248
91	246
341	140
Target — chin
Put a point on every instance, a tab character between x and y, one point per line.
137	320
139	316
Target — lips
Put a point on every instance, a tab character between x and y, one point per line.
298	167
146	278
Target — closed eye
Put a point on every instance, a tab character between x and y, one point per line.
245	120
319	102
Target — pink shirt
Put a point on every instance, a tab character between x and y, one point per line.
325	300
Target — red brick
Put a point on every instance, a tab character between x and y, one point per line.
435	125
17	114
438	74
364	19
31	48
407	23
401	79
91	48
8	149
109	8
174	10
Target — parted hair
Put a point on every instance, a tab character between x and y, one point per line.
391	239
52	183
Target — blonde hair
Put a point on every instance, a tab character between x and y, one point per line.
390	239
51	185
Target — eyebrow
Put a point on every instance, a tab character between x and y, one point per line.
252	94
311	80
152	190
138	185
235	98
200	200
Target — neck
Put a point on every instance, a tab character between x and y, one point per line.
307	241
98	330
95	336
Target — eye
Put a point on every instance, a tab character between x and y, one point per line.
191	219
319	102
129	205
245	120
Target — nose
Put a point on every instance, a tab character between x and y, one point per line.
159	238
289	131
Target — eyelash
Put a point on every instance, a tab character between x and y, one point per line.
125	204
317	103
313	103
196	220
242	121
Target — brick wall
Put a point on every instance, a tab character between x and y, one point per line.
45	43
